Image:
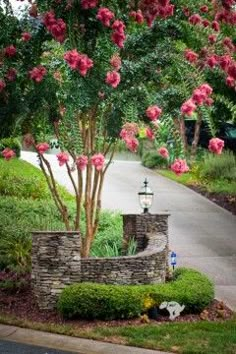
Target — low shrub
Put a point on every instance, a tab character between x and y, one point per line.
90	301
12	281
152	159
99	301
219	166
12	143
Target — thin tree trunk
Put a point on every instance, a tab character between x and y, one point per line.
196	138
182	129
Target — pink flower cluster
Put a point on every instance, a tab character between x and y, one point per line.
37	74
163	152
78	61
89	4
179	167
42	148
56	27
63	158
2	85
150	134
137	16
10	51
98	161
8	154
82	162
105	16
26	36
216	145
113	78
151	9
118	35
199	97
128	133
153	112
191	56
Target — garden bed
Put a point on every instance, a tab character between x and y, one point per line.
11	304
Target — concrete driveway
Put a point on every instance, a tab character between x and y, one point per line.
201	233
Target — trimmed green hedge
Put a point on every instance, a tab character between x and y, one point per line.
107	302
100	301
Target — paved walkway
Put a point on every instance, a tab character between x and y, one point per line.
60	344
202	234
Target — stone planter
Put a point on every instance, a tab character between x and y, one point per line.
56	259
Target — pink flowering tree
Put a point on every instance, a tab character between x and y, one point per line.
101	91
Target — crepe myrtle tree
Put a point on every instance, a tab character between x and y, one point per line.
104	93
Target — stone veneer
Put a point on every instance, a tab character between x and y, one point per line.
56	259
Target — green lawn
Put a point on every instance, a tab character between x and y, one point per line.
200	338
212	186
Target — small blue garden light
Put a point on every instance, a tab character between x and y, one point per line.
173	259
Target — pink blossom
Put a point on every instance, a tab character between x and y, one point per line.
199	96
188	107
78	61
153	112
2	85
137	16
205	23
10	51
232	70
215	25
195	19
118	38
212	38
88	4
132	144
8	154
58	30
105	16
26	36
42	148
190	55
63	158
230	81
179	167
98	161
82	162
163	152
212	61
37	74
209	101
204	8
149	134
113	78
225	61
216	145
227	42
207	89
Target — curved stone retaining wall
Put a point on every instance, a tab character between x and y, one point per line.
56	259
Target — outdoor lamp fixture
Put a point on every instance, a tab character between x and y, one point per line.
145	197
173	259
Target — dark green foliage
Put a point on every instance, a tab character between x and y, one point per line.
152	159
98	301
219	166
12	143
90	301
189	288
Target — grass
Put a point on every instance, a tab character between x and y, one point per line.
200	338
192	179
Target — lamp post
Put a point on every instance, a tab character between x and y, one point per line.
173	259
145	197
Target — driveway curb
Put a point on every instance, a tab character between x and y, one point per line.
70	344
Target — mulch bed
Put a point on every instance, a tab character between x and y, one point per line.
226	201
21	304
